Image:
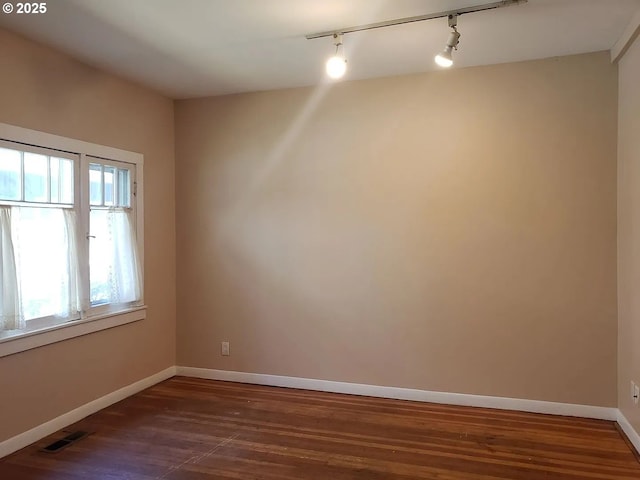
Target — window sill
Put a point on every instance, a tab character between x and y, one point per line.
15	341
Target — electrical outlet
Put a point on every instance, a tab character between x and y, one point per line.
636	394
224	350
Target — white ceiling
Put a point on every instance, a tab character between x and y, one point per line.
194	48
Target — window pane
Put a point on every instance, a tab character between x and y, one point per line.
95	184
113	263
124	188
61	180
42	261
35	177
66	181
109	185
54	166
10	176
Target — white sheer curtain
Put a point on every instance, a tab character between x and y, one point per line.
114	264
11	317
73	302
39	264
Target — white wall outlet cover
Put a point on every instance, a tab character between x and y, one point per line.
636	394
225	349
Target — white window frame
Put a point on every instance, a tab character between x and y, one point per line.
84	223
12	341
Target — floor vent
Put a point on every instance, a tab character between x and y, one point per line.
65	442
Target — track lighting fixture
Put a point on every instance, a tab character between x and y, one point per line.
337	65
444	58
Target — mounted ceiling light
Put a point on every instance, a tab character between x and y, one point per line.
444	58
336	66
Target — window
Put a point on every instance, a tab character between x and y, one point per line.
70	227
113	259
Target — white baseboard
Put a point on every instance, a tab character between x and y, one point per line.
629	431
27	438
503	403
536	406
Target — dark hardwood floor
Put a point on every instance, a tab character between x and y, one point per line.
198	429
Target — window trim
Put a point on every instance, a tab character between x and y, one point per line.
11	343
65	331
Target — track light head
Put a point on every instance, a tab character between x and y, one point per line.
336	65
444	58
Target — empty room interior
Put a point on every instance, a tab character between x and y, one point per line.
313	239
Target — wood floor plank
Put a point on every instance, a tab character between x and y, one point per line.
192	429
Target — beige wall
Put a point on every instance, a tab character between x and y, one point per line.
629	232
452	231
44	90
